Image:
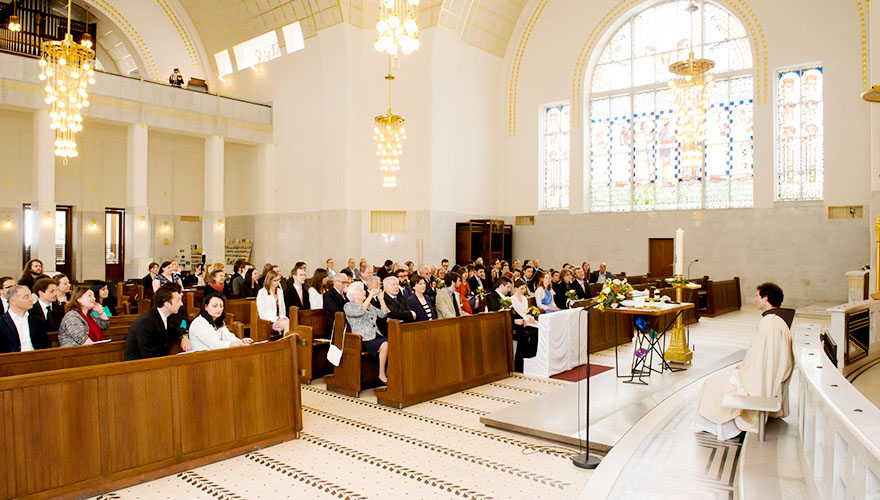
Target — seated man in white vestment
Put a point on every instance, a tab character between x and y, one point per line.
765	372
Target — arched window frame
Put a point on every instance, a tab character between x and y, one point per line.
744	188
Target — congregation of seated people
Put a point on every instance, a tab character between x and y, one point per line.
36	304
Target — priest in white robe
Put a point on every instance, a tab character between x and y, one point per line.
765	371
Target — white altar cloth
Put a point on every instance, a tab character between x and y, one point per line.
560	336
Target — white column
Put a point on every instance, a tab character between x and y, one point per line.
137	213
214	220
43	204
874	64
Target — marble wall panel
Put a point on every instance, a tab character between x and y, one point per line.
800	249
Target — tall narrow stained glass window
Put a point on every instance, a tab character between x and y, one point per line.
800	153
557	157
633	151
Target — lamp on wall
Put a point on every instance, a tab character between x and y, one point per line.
66	66
219	224
143	222
14	23
389	135
94	225
165	227
8	223
691	86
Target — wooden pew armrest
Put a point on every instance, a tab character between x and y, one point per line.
237	328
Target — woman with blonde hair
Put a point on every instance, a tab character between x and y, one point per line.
270	302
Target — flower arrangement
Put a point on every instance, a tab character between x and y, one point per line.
613	293
480	290
571	295
441	284
506	302
534	312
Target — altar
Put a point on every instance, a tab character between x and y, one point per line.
562	343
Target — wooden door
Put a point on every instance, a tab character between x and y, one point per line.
64	240
660	257
114	244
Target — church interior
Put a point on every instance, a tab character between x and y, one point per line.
356	249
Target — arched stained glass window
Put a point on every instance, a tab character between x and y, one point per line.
800	154
633	152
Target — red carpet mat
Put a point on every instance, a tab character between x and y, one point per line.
580	372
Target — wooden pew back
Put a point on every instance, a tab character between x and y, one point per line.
722	297
82	431
21	363
430	359
356	371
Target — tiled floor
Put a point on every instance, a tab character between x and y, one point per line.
355	448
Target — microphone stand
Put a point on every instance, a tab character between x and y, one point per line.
689	267
585	461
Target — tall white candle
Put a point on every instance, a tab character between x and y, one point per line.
679	252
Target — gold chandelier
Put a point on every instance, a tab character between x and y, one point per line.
691	87
14	23
397	27
389	135
67	69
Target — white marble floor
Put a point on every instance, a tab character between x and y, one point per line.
355	448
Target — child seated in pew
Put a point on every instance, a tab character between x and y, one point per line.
208	330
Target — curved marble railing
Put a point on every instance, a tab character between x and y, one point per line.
839	428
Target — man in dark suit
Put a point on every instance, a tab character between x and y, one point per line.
46	307
385	270
6	284
601	275
503	287
154	332
403	283
296	293
559	289
334	298
581	285
19	330
478	280
396	303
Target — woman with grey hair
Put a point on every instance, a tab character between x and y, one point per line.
362	315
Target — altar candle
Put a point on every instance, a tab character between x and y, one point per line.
679	252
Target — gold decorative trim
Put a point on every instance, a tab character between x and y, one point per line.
761	62
514	70
184	36
864	14
123	23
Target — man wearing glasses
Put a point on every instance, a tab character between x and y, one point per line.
334	298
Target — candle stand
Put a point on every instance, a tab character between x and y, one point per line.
678	351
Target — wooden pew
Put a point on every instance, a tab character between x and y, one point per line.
82	431
357	370
722	297
430	359
21	363
310	327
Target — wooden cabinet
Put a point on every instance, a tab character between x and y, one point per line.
487	238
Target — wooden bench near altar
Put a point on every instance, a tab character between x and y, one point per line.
76	432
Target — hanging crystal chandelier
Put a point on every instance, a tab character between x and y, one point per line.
67	69
397	27
691	87
389	135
